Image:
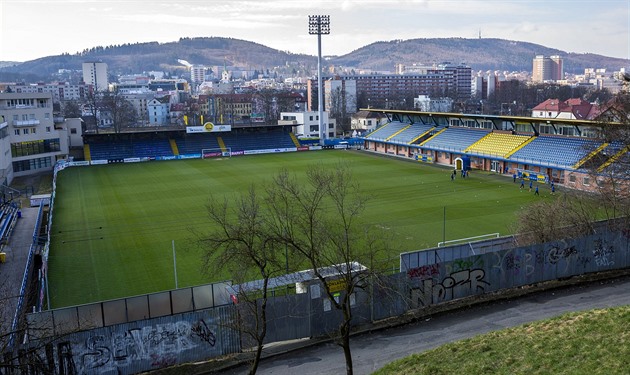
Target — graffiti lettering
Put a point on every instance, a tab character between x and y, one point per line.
66	361
97	354
601	253
456	285
556	254
424	272
204	332
464	264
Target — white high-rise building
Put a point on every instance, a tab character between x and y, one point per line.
547	68
95	74
198	73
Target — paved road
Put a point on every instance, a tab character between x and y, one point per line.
373	351
12	271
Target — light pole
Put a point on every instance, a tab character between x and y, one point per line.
319	25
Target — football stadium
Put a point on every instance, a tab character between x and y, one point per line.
119	253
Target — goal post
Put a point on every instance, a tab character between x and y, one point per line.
210	153
469	239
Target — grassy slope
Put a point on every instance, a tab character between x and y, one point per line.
113	224
591	342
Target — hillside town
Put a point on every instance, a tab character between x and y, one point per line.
95	101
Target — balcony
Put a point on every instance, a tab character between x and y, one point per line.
25	123
287	122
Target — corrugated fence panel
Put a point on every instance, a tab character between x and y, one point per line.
146	345
288	318
194	336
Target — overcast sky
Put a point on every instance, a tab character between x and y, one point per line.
37	28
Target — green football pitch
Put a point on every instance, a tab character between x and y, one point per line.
114	225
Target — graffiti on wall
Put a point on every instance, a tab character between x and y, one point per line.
460	283
602	253
141	348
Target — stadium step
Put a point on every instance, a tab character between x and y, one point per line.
590	155
86	152
295	140
221	144
421	135
398	132
519	147
613	158
174	147
434	135
375	130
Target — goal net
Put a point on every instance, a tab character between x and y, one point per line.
208	153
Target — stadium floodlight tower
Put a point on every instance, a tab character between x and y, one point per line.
319	25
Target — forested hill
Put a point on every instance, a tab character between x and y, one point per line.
480	54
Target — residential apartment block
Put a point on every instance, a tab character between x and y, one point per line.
547	68
398	90
29	141
61	91
95	74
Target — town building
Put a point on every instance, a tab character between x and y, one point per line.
547	68
159	111
95	74
306	124
394	91
61	91
364	122
425	103
29	140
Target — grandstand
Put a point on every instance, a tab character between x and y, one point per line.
193	144
504	144
388	130
172	144
554	151
454	138
129	148
412	133
497	144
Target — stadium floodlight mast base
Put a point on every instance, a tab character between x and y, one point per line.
319	25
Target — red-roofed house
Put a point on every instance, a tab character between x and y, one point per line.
572	109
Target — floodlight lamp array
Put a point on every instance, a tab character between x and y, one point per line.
319	25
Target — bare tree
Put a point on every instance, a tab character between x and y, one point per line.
320	222
339	108
571	215
610	169
243	244
122	112
71	109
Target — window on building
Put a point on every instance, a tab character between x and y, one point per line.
16	131
586	181
572	178
32	164
48	129
73	130
25	131
46	115
35	147
33	130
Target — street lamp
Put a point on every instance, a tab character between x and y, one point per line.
319	25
